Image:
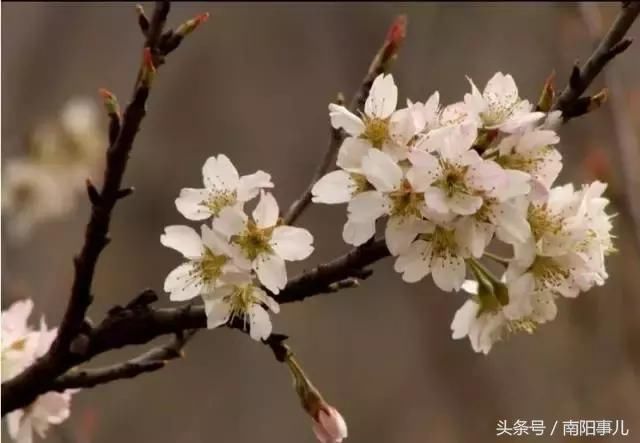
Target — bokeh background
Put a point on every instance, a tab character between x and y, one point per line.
254	84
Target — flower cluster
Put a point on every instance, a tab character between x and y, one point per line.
449	180
60	154
234	257
21	346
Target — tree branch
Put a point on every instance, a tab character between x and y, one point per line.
70	342
569	101
627	142
149	361
138	323
380	64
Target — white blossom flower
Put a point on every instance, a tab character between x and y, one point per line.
261	244
460	177
532	152
485	321
208	261
499	106
381	126
241	299
570	237
21	346
436	252
223	188
504	214
396	193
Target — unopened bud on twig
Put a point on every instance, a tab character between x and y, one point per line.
598	100
110	101
328	424
547	96
143	21
148	69
190	25
397	32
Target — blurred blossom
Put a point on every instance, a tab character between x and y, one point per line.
61	154
21	346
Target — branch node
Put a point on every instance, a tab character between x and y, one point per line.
92	192
143	21
575	79
125	192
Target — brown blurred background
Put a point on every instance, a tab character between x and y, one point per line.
254	84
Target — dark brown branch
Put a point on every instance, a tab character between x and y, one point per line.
380	64
570	101
73	340
151	360
138	323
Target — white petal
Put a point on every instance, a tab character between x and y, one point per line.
459	141
463	319
415	263
292	243
464	204
263	297
217	309
425	162
470	287
334	187
381	171
230	221
183	239
260	323
367	206
266	212
219	173
351	153
214	240
181	284
487	176
501	90
513	226
250	185
516	122
436	199
190	203
400	232
473	236
341	117
271	272
448	272
383	97
357	233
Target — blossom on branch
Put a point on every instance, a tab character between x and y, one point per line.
21	346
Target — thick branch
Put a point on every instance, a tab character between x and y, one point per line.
138	323
380	64
611	45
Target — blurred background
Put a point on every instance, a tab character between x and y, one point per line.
254	83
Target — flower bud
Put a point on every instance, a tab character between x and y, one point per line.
190	25
547	95
328	424
148	69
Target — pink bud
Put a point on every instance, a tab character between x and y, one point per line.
329	426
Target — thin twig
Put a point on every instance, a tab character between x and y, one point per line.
611	45
627	142
149	361
380	64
